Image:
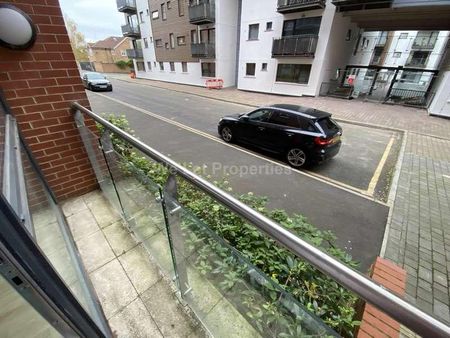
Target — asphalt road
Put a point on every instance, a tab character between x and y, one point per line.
357	221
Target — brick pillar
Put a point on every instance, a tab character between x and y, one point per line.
39	84
375	323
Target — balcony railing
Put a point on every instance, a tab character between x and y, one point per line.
131	31
136	53
203	50
423	44
203	13
126	6
304	45
203	264
290	6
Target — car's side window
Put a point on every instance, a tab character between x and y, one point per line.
285	119
305	124
261	115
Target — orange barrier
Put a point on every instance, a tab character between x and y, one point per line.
214	83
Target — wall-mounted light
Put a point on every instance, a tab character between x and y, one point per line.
17	31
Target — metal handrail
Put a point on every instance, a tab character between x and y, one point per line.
391	304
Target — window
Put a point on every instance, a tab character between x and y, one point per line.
253	31
167	45
250	69
169	5
181	40
302	26
305	124
328	125
141	16
149	65
208	35
293	73
154	64
194	36
155	15
145	43
151	39
172	66
180	7
260	115
269	26
397	54
403	35
172	40
140	66
264	67
163	12
348	36
412	77
208	69
418	59
184	68
147	12
284	119
161	66
377	53
123	53
158	43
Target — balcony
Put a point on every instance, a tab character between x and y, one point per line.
136	53
423	44
304	45
126	6
131	31
353	5
203	50
204	13
291	6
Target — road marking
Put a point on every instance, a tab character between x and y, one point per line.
323	179
376	176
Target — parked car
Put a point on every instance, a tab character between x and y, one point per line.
303	135
96	81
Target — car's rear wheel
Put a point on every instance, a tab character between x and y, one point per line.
227	134
296	157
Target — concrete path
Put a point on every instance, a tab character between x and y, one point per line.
418	230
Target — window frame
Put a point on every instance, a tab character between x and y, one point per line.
209	70
292	71
249	37
184	40
251	64
163	12
269	23
264	67
155	17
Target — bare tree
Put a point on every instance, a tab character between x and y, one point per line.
77	40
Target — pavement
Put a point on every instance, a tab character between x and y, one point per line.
418	228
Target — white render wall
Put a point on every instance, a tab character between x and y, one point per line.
226	37
332	33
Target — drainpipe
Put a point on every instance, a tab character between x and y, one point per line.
238	46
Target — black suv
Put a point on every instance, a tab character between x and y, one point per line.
303	135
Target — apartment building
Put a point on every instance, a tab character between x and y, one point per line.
105	53
183	41
398	65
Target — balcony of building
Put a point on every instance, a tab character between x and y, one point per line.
139	262
202	12
204	50
425	41
126	6
132	31
304	45
135	53
291	6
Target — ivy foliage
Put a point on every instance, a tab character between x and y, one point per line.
319	294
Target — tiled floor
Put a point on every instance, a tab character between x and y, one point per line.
136	299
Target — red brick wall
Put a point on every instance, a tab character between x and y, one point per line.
375	323
39	84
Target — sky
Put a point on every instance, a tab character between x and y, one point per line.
96	19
